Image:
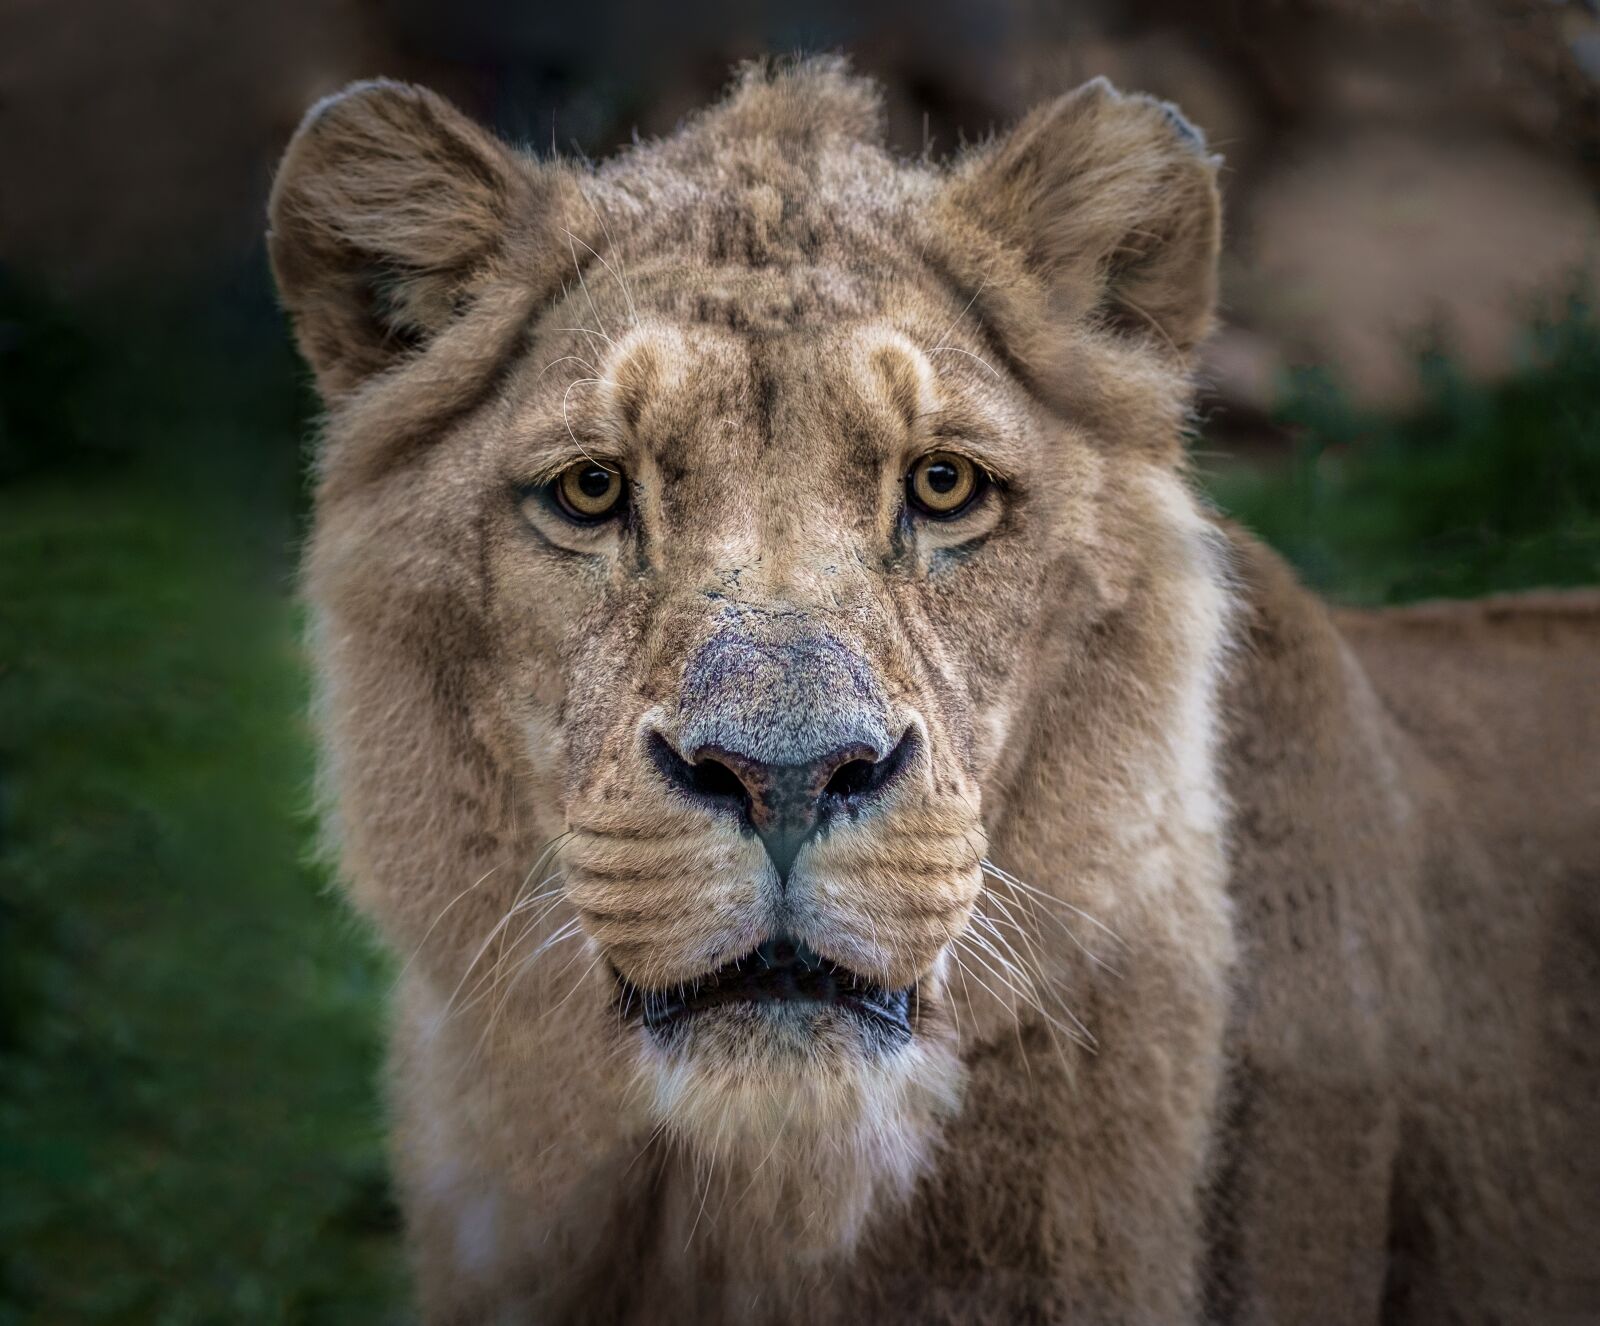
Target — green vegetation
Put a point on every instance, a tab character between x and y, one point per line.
189	1123
1482	489
189	1021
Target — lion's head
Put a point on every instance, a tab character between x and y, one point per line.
717	532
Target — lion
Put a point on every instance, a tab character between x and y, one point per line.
863	840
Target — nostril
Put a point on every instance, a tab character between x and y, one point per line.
712	778
783	802
707	780
850	779
857	780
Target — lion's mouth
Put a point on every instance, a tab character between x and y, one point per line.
781	971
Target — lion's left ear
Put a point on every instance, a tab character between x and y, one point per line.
1108	202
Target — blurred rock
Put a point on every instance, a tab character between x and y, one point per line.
1364	246
1243	372
138	136
1396	173
1394	168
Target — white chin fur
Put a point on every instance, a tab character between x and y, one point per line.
797	1125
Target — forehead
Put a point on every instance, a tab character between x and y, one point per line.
730	358
730	305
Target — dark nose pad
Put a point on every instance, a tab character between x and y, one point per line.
784	803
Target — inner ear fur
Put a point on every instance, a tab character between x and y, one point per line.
390	209
1106	212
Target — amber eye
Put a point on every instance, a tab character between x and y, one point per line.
943	484
588	491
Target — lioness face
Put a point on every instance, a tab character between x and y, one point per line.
754	590
763	564
724	518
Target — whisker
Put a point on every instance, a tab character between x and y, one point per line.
957	350
476	958
994	994
939	345
565	931
522	903
648	1143
1016	981
989	895
961	971
1016	1029
1055	920
486	984
562	359
1081	1037
583	331
1061	925
1012	963
561	936
633	313
579	382
1023	884
553	847
584	285
710	1171
429	931
576	985
1038	984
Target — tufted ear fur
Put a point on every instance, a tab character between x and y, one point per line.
1108	206
390	210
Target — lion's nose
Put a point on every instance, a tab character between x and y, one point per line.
784	803
784	723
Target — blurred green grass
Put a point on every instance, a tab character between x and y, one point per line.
189	1034
190	1129
1481	489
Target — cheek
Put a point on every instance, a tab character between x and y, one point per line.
998	640
543	746
975	627
615	673
568	656
991	729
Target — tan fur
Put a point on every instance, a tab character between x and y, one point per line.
1277	1004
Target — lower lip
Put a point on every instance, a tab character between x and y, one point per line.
887	1017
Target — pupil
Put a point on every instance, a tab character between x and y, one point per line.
594	482
942	476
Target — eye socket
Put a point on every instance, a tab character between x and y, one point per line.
588	491
944	484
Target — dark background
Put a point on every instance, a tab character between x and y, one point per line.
1405	398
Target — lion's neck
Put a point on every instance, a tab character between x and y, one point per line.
1117	809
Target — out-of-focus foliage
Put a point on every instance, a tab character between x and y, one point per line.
44	360
1482	489
189	1129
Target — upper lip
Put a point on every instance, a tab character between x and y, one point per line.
781	970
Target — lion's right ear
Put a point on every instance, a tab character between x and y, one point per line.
390	208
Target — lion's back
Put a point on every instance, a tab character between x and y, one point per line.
1500	698
1503	696
1416	881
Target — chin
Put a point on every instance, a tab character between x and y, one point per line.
802	1095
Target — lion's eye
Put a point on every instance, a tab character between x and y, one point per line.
943	484
588	491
